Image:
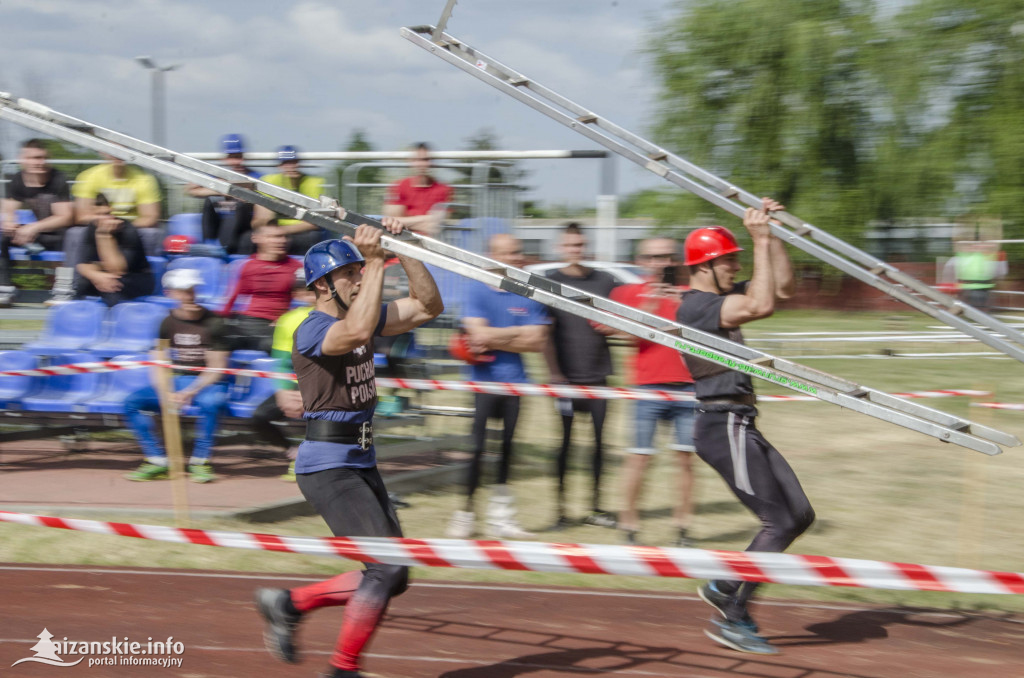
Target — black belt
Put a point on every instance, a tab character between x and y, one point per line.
745	399
324	431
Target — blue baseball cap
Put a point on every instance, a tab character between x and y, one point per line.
287	154
232	143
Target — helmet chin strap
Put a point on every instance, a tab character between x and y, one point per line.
714	276
334	295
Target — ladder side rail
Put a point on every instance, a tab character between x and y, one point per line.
403	245
732	207
509	79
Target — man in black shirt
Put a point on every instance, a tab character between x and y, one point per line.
577	353
114	264
43	190
725	433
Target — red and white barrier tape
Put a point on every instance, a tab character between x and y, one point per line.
1000	406
651	561
493	387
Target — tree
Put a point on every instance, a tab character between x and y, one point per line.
368	198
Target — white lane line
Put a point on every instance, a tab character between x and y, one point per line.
477	587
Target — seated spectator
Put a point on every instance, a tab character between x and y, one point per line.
226	219
267	278
196	339
286	403
113	263
301	235
414	198
132	195
44	190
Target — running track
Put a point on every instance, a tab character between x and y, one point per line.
485	631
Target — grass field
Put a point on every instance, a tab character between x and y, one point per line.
880	492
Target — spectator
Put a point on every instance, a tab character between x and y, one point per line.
132	195
413	199
660	368
43	190
113	264
226	219
502	325
196	339
286	403
577	353
301	235
267	277
975	266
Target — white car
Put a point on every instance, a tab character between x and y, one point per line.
623	273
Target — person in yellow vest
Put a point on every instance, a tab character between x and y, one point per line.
301	234
976	266
286	402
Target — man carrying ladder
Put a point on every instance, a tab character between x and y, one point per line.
725	432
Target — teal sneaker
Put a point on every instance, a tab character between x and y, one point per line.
289	476
148	471
201	473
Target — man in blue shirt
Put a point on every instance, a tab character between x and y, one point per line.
499	326
336	465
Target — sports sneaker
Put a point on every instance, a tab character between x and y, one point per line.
601	519
148	471
509	529
683	540
462	525
723	602
739	638
631	537
7	293
60	296
201	473
279	633
289	475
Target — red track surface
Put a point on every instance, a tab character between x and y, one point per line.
474	631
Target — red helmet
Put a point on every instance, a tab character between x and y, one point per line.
705	244
458	346
177	244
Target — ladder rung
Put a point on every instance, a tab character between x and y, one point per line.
658	155
762	360
877	270
671	329
730	192
518	82
802	230
859	392
587	119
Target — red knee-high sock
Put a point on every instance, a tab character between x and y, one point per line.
362	616
328	593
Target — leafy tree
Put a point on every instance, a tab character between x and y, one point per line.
369	198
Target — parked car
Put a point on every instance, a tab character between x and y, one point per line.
624	273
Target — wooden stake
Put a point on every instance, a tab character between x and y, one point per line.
172	439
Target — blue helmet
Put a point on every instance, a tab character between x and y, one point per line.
232	143
324	257
287	153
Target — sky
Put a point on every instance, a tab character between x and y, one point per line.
309	72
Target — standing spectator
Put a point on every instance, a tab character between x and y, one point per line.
267	277
227	219
975	266
301	234
113	263
286	402
502	325
44	190
726	430
578	354
659	368
196	339
131	194
413	199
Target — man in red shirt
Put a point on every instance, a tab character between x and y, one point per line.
266	277
660	368
413	199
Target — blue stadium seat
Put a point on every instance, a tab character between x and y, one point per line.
188	223
66	393
209	268
159	265
132	326
69	327
13	389
118	386
260	388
